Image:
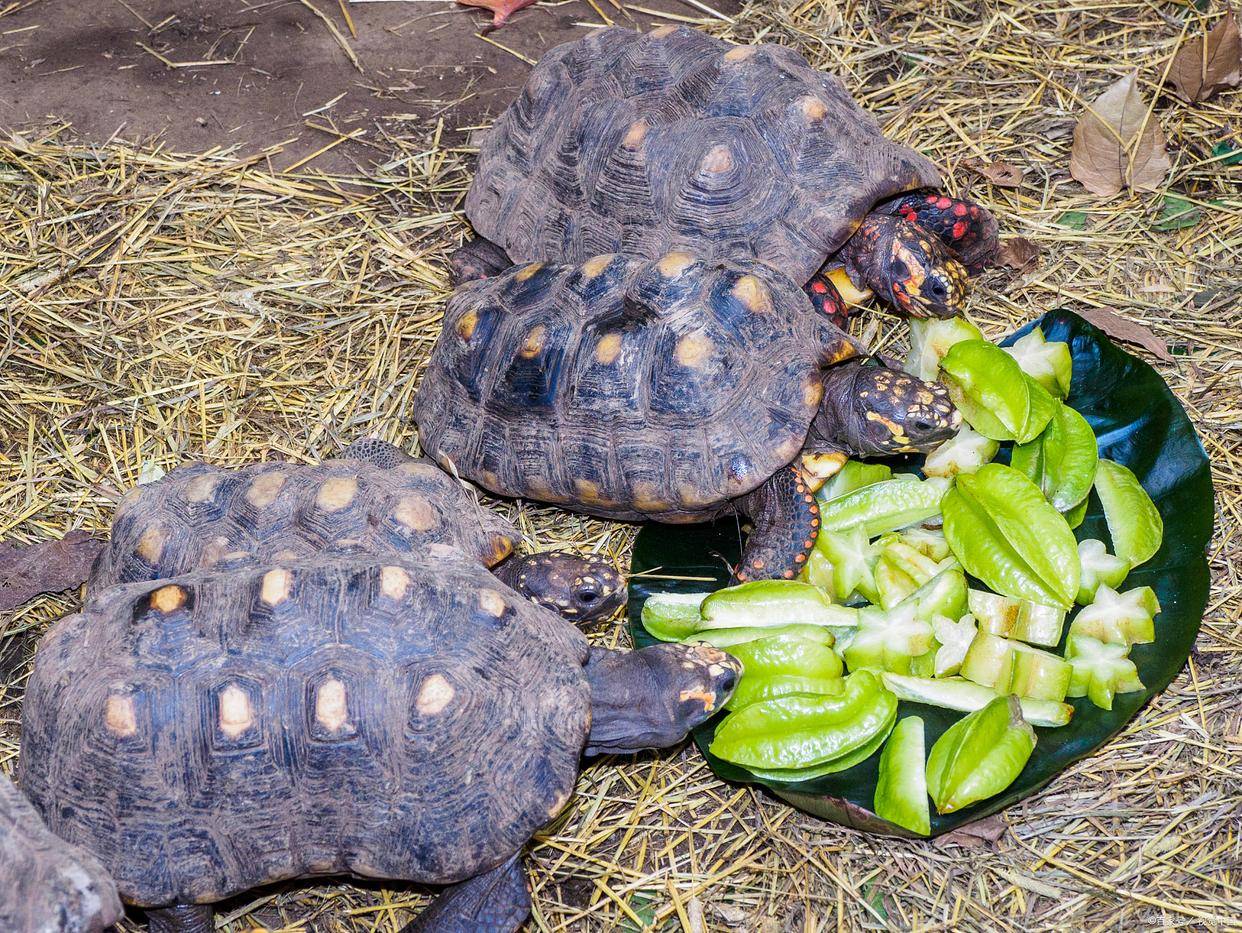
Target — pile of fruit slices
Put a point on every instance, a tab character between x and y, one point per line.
891	604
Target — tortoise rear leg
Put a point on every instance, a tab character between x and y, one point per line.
785	519
476	259
184	918
497	901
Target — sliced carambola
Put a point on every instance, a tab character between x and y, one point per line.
854	474
1062	460
900	570
1038	674
1047	362
786	655
1101	670
994	396
942	595
1006	534
954	640
885	506
965	452
672	616
901	788
928	541
887	640
833	765
727	637
979	756
763	603
1016	618
800	731
1119	618
931	339
1011	667
960	694
1134	523
853	559
1098	566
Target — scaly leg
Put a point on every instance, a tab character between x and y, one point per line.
375	451
785	520
497	901
476	259
185	918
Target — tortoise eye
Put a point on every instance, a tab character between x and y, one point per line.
922	425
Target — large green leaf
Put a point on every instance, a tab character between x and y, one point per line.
1140	424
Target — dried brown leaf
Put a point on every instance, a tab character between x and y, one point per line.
47	567
1019	253
1117	143
1207	64
981	834
501	9
1001	174
1120	328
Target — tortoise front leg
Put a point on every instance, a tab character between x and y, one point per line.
497	901
652	697
476	259
785	521
184	918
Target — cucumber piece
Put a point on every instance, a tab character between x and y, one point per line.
727	637
901	789
766	603
672	616
959	694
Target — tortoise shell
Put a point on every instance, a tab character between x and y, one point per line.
225	729
199	515
632	389
643	143
47	885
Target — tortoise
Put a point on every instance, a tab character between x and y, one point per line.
643	144
373	498
678	390
406	717
47	885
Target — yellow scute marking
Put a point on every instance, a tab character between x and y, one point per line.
120	717
608	348
394	581
336	493
168	598
264	488
752	293
331	705
236	716
694	349
277	584
435	695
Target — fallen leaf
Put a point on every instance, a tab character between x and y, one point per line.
1073	220
1019	253
1177	214
1207	64
1001	174
47	567
981	834
501	9
1117	143
1124	329
1227	152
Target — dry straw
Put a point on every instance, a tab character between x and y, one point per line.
158	306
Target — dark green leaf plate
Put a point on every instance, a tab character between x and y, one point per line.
1139	423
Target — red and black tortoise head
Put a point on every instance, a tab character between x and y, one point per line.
907	267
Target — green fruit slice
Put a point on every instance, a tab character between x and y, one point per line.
763	603
1005	533
1134	523
672	616
1062	460
901	789
980	755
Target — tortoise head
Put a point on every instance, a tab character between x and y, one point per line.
907	267
870	410
578	588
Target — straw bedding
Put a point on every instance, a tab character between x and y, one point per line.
159	306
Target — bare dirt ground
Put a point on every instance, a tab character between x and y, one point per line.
258	74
